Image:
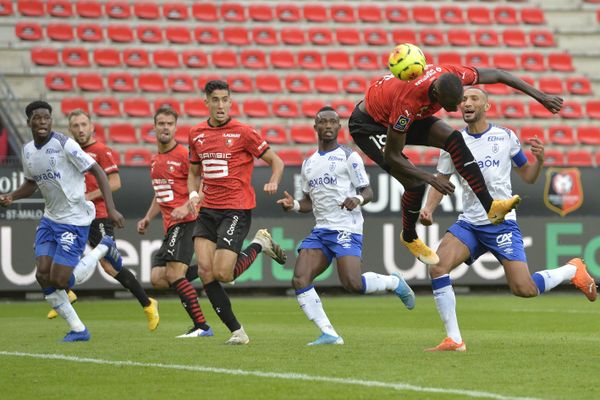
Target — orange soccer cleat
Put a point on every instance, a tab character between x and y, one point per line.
582	279
448	345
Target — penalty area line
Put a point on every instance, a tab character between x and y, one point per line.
268	375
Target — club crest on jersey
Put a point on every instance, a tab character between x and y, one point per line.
563	192
401	123
495	148
229	142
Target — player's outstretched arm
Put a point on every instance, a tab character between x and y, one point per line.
530	172
493	75
434	198
276	163
25	190
114	215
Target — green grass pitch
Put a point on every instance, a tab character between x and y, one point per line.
543	348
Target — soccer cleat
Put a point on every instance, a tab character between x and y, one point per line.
420	250
404	291
448	345
500	208
238	337
269	247
582	279
327	339
197	332
72	299
152	314
112	255
73	336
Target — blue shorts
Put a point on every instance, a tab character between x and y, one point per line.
504	241
64	243
333	243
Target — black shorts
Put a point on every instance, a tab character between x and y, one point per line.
99	228
226	228
177	246
370	136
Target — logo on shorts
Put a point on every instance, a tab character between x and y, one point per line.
563	192
344	239
66	240
504	242
402	123
227	240
231	229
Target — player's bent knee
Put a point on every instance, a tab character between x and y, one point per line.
223	276
353	286
524	290
300	282
437	270
42	278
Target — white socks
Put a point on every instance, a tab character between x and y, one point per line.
445	301
553	277
311	305
87	264
59	300
376	283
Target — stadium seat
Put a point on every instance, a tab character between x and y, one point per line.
151	82
343	13
486	38
292	36
343	107
536	110
506	15
589	134
338	60
541	38
166	58
194	58
287	12
477	59
560	62
310	107
117	9
205	11
260	12
264	36
148	133
533	62
137	157
256	108
578	85
326	84
355	84
60	32
310	59
274	134
178	35
175	11
149	34
90	82
530	131
397	13
320	36
459	37
31	8
195	108
297	83
561	135
88	9
479	16
285	108
532	16
167	102
236	35
253	59
233	12
430	156
303	134
106	107
107	57
123	133
59	81
31	31
69	104
347	36
551	84
449	58
506	61
514	38
146	10
207	35
120	33
137	107
240	83
90	33
314	12
571	110
75	57
451	14
268	83
282	59
498	88
234	111
512	109
182	134
6	8
369	13
579	158
424	15
291	157
99	133
432	37
366	60
224	59
553	157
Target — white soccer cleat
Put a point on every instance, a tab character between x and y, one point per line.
238	337
269	247
197	332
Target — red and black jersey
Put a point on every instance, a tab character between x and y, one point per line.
169	172
226	154
102	154
393	102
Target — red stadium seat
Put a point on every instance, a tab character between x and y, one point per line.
166	58
459	37
69	104
233	12
287	12
264	36
314	12
122	133
369	13
498	88
506	61
506	15
366	60
167	102
90	82
195	108
206	12
75	57
285	108
120	33
59	81
240	83
151	82
479	16
593	109
311	60
236	35
293	36
224	59
579	158
291	157
589	134
59	8
477	59
579	85
90	33
449	58
533	62
514	38
536	110
430	156
551	84
297	83
175	11
194	58
137	157
182	135
532	16
486	37
178	35
397	13
260	12
571	110
207	35
320	36
29	31
338	60
256	108
137	107
274	134
148	133
451	15
326	84
268	83
343	107
432	37
60	32
31	8
117	9
561	135
343	13
310	107
303	134
99	132
355	84
146	10
253	59
107	57
553	157
560	62
530	131
282	59
512	109
424	15
106	107
347	36
149	34
6	8
88	9
542	38
404	36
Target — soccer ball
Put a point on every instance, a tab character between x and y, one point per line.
407	62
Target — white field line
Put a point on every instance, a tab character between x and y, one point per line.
269	375
555	310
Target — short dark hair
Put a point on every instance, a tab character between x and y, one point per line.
31	107
167	110
213	85
450	85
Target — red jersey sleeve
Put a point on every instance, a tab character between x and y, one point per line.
192	137
106	161
255	144
468	75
